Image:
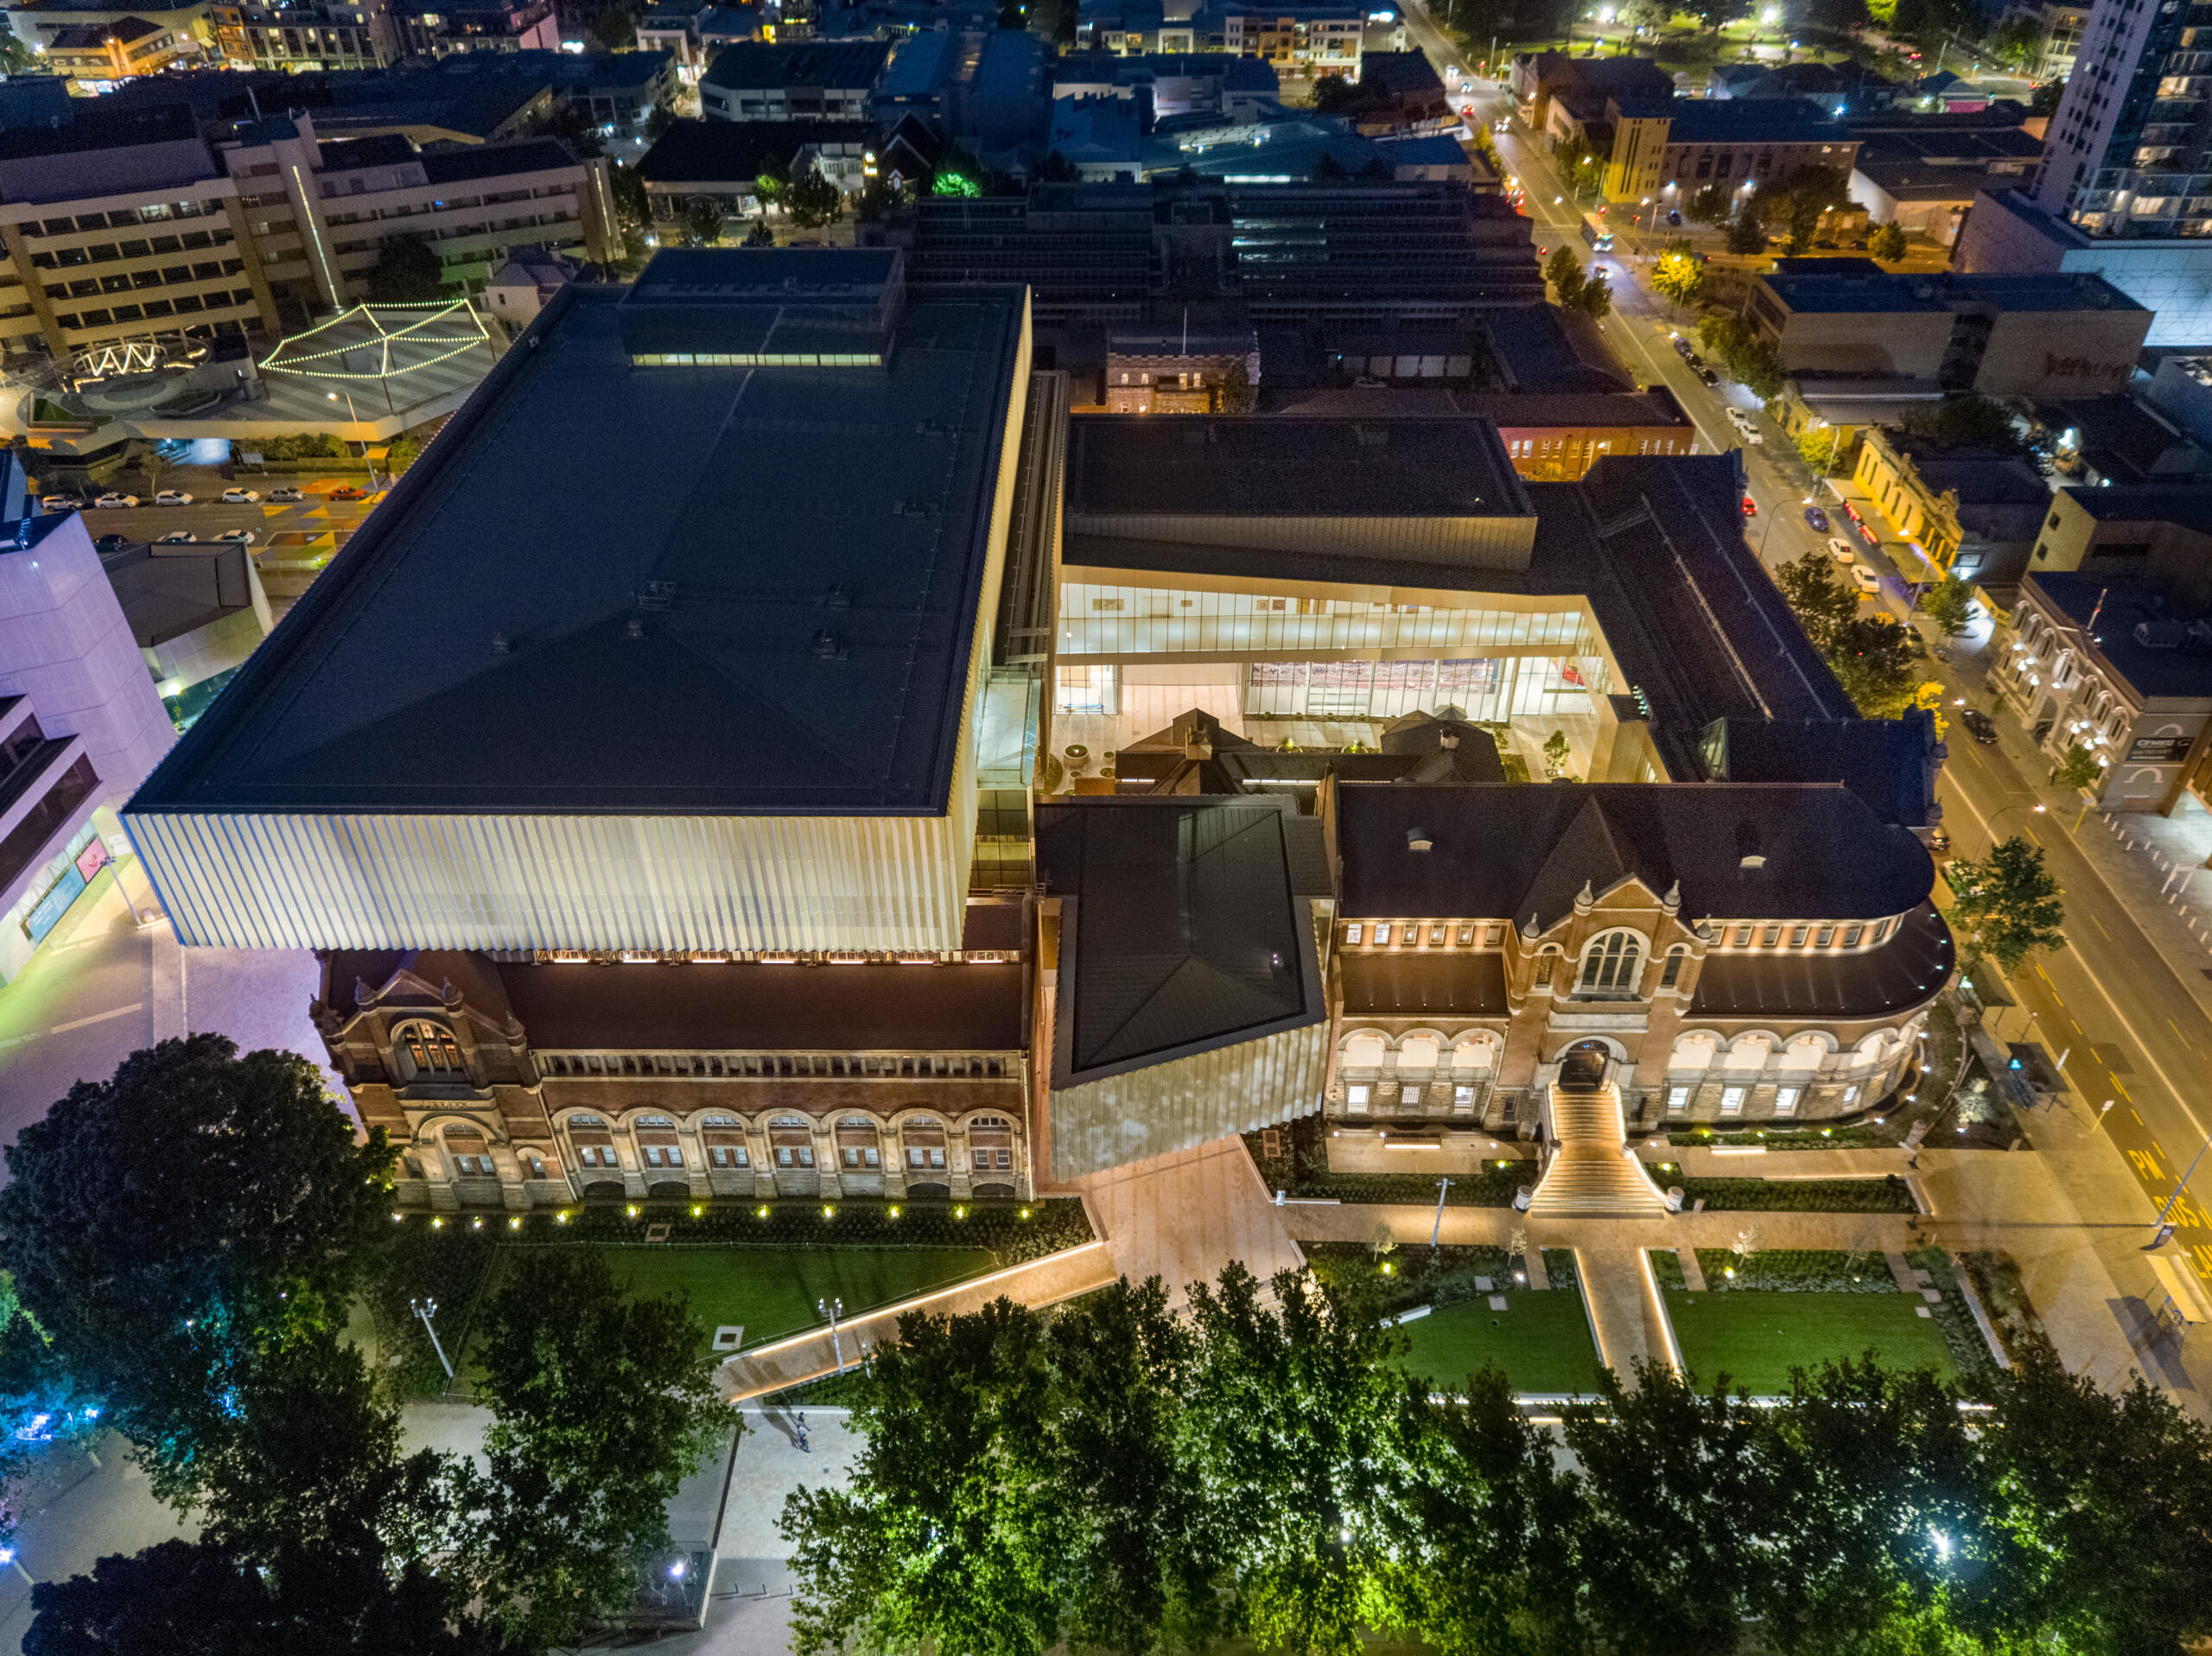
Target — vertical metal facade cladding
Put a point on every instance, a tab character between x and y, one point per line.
646	883
1187	1102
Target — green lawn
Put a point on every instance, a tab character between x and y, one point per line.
772	1291
1540	1340
1755	1338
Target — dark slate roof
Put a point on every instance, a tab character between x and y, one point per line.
1505	850
1188	929
808	63
1196	755
1907	971
567	491
382	149
1285	465
735	152
1461	982
496	161
1889	764
2181	674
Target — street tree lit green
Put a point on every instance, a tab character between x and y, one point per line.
1679	277
2007	902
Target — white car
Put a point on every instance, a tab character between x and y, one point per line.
241	497
173	498
287	495
112	502
238	537
179	537
1839	547
60	503
1866	579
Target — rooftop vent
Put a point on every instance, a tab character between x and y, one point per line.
826	647
501	644
2160	635
1417	840
634	627
1753	860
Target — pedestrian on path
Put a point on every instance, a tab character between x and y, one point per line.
798	1425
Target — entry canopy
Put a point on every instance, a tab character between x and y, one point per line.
379	342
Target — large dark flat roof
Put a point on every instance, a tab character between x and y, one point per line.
636	590
1199	465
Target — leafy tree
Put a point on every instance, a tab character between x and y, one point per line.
703	223
160	1221
659	119
402	452
408	271
16	58
1236	394
1595	296
946	1536
759	235
1712	204
1798	199
1142	1550
2079	769
1887	242
812	200
2045	99
877	196
601	1405
1555	753
1877	663
2008	903
1679	277
616	29
1817	597
1678	1501
1333	93
1579	164
633	209
950	182
1744	352
1478	1521
1746	236
1950	605
185	1598
1967	419
1564	272
571	124
1829	450
1292	1410
2091	1507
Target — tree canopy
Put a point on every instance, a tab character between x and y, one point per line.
1967	419
1795	200
1887	243
812	200
2008	903
1748	356
193	1204
408	271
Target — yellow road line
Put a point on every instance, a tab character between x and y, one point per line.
2098	923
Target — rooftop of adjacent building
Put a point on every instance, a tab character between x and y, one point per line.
2189	505
1736	120
2161	653
736	589
124	31
738	152
1732	850
760	66
1901	291
1235	71
167	591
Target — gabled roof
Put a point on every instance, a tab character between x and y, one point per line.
1186	929
1737	851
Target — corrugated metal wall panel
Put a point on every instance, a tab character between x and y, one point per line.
1500	542
1187	1102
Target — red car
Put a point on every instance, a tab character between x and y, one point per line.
1750	509
347	492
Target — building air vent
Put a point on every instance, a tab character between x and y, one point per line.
1417	840
2160	635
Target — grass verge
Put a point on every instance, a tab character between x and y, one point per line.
1753	1338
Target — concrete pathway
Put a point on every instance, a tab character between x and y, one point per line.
1622	1301
809	1356
1750	1163
1181	1217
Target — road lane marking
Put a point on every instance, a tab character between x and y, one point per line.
2100	925
96	1018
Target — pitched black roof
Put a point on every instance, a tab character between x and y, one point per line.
736	152
1890	763
1508	850
1188	931
1909	970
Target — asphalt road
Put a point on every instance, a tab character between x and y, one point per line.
2108	1004
299	532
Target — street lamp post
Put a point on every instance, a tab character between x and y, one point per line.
427	1309
1437	1229
353	415
834	1309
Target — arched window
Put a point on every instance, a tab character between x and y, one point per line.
1673	973
1611	965
426	1050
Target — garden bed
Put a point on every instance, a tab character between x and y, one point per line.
1795	1270
1302	1169
1970	1353
1887	1194
1540	1340
1996	1277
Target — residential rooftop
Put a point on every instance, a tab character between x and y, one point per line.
745	589
758	65
737	152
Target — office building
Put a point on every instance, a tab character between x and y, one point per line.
305	38
1924	180
80	726
196	611
814	80
2001	335
94	57
1668	149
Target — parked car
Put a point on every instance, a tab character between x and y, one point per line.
238	537
1839	547
1938	840
241	497
1675	216
61	503
1866	579
1692	357
113	501
173	498
1751	507
287	494
347	492
1979	724
1707	375
1816	520
177	537
111	543
1683	348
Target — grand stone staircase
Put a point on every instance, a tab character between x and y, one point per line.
1591	1173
